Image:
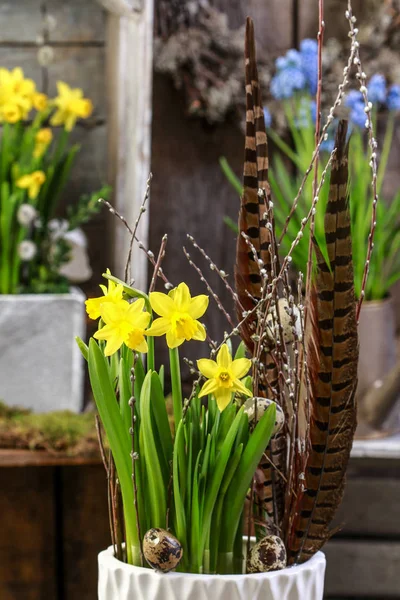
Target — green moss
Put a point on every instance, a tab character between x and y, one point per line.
59	431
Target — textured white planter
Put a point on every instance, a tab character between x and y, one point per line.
119	581
41	366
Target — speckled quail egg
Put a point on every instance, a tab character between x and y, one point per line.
286	321
262	405
162	550
269	554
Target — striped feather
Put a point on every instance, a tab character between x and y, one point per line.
334	380
252	223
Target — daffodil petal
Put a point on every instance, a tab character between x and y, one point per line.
200	334
93	307
137	306
210	387
224	359
172	340
159	327
112	345
182	297
240	367
240	387
104	333
207	367
198	306
142	320
162	304
223	397
143	347
111	311
136	341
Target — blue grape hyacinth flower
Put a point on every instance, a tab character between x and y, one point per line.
267	118
377	89
393	97
309	63
286	82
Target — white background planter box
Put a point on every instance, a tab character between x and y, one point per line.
41	366
119	581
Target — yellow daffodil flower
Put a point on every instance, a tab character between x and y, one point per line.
32	182
125	323
178	315
16	95
112	294
70	105
42	140
223	376
10	113
40	101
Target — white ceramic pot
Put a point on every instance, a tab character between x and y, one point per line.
119	581
41	366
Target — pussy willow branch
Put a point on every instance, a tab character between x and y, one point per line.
209	288
107	469
362	78
157	266
135	457
338	101
321	30
223	276
142	210
140	244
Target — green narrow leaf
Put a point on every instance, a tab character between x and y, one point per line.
156	489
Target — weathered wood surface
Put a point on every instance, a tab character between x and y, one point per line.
54	523
72	21
130	45
41	458
27	539
362	569
85	528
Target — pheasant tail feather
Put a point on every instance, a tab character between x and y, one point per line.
334	379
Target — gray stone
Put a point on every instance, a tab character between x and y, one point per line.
41	366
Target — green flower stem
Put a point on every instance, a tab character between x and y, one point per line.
150	354
176	385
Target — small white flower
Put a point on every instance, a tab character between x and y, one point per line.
27	250
26	214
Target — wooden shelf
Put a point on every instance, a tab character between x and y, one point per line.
42	458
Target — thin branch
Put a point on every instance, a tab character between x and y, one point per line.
135	457
157	266
362	78
142	210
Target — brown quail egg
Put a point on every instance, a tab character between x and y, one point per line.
262	405
162	550
286	321
269	554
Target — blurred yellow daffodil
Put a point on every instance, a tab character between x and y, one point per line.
178	315
223	376
112	294
42	140
40	101
16	95
32	182
125	323
70	105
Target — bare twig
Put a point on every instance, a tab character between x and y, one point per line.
135	457
157	266
142	210
209	288
362	79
